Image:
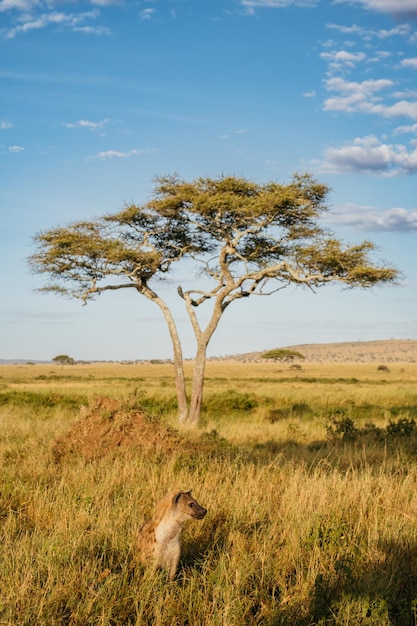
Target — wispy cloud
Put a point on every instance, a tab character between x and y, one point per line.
15	149
240	131
409	63
400	130
92	30
87	124
402	30
251	5
146	14
19	5
364	97
341	59
70	21
367	155
371	219
4	125
354	96
406	8
116	154
401	8
106	3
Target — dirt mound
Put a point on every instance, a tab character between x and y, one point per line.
108	425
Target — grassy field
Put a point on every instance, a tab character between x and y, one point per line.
309	477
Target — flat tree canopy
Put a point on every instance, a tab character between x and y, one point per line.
282	354
246	238
63	359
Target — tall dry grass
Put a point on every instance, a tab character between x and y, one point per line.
301	529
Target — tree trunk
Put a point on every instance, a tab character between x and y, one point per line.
202	338
177	353
197	386
179	379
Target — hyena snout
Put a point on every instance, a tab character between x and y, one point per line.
190	506
198	512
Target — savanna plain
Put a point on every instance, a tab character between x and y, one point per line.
309	475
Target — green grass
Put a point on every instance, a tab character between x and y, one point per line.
306	526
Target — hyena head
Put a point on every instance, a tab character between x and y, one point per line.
186	507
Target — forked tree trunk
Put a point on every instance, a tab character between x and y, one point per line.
202	338
189	414
177	354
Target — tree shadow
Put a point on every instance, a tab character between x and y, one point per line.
386	588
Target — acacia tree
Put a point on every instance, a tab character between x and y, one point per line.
246	238
282	354
63	359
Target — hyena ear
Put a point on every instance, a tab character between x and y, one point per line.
177	496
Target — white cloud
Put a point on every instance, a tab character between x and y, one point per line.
342	59
252	5
347	30
354	96
402	30
364	97
93	30
146	14
399	109
405	129
5	125
71	21
105	3
409	63
240	131
87	124
115	154
19	5
370	219
15	149
367	155
394	7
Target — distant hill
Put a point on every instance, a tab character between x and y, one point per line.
20	361
383	351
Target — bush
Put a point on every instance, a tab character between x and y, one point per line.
344	429
403	428
230	401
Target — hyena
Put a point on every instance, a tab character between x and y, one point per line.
159	539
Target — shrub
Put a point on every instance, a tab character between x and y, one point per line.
342	428
230	401
403	428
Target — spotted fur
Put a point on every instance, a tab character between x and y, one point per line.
159	540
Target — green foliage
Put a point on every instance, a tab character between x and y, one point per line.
63	359
38	401
282	354
404	427
158	406
245	238
345	429
228	402
298	409
263	231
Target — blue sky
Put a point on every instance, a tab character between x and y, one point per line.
97	98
